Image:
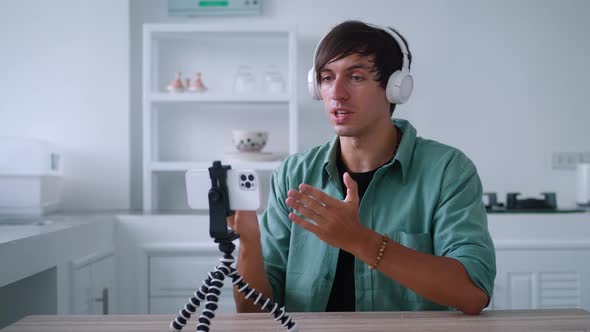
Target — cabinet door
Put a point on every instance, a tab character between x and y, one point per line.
174	279
103	275
92	285
81	290
542	278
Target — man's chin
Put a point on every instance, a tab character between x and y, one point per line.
343	131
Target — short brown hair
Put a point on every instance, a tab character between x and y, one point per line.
355	37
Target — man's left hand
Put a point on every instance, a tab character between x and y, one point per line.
336	222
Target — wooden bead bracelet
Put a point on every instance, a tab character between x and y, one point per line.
384	239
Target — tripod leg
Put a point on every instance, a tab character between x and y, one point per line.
212	297
279	314
211	290
191	307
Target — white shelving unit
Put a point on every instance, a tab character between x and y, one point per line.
189	130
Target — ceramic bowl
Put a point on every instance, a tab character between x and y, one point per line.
248	140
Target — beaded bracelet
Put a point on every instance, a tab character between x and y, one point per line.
384	239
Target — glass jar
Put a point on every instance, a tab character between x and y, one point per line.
244	81
273	80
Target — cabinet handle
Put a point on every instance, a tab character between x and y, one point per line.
105	301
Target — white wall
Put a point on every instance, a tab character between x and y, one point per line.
502	80
505	81
64	78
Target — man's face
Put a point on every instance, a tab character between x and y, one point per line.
352	97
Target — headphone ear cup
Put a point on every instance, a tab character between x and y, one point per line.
312	85
399	87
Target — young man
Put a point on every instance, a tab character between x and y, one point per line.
377	219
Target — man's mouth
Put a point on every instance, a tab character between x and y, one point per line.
341	115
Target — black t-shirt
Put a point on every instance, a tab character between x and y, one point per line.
342	296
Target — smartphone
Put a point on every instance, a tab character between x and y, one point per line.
243	188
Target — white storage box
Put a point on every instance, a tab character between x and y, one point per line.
31	177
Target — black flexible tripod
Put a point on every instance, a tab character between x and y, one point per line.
211	288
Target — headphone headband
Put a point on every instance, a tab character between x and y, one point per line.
400	42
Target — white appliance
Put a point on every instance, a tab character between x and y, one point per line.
31	177
192	8
583	185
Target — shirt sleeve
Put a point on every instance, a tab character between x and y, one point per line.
460	223
275	233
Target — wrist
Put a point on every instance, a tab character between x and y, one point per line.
369	247
380	253
251	241
366	244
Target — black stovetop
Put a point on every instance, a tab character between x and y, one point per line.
515	204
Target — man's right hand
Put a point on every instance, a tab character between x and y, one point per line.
245	223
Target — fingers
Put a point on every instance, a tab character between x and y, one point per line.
303	210
231	221
317	194
352	194
299	198
241	217
304	223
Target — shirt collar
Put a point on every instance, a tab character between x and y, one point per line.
403	154
406	146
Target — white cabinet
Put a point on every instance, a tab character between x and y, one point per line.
174	277
191	129
92	284
542	276
541	260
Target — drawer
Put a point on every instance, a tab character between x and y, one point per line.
181	275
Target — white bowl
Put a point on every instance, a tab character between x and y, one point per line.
249	141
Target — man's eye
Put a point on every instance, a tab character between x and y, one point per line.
356	78
326	78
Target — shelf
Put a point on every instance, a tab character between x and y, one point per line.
164	166
164	97
205	119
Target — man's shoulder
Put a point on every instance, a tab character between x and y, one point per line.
429	152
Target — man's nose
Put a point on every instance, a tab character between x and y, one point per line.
339	90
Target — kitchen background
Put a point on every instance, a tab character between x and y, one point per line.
505	81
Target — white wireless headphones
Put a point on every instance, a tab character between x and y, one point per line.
399	85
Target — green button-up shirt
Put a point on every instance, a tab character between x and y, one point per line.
428	198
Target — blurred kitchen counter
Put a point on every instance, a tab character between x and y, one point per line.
572	228
132	238
31	246
28	248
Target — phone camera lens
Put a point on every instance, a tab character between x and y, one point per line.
248	185
243	177
251	177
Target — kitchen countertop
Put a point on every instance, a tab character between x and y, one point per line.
29	246
35	243
30	249
504	321
523	211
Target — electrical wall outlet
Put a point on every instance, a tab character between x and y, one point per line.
569	160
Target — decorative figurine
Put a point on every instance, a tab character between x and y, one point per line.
197	85
176	84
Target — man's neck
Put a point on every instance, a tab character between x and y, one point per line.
368	152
